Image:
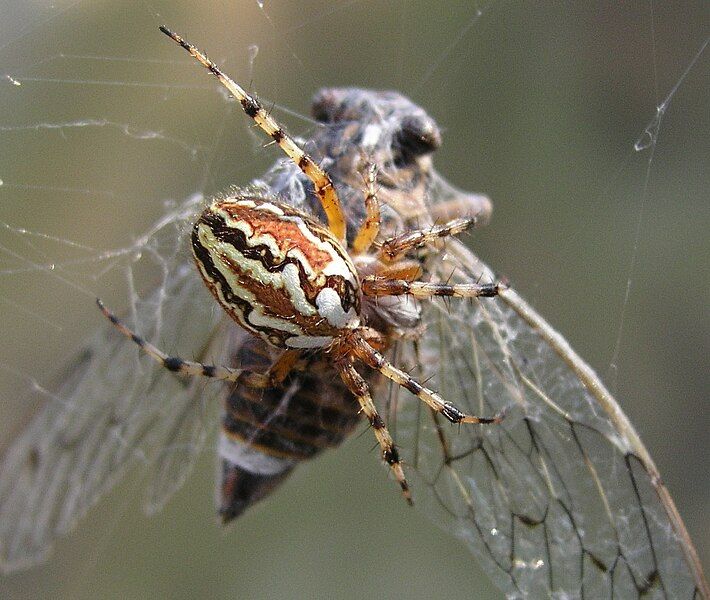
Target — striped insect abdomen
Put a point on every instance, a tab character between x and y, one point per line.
277	272
266	433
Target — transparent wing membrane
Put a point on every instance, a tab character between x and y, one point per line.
560	500
111	407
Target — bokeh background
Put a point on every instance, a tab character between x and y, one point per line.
541	105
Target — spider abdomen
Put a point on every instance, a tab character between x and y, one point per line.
277	272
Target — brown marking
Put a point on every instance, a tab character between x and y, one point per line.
237	308
276	303
296	434
286	234
264	448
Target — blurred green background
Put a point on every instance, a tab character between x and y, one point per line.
540	103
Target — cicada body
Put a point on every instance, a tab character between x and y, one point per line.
266	433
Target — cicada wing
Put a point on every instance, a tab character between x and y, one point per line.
112	406
561	499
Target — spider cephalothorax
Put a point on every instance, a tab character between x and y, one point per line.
306	287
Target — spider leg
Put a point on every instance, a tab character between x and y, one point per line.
188	367
358	386
395	247
374	285
406	269
285	365
374	359
322	183
371	225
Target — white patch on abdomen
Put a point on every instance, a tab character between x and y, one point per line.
331	309
292	284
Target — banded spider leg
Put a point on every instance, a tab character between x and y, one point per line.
276	374
322	183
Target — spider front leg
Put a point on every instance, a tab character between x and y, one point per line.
322	183
374	285
358	386
371	225
188	367
395	247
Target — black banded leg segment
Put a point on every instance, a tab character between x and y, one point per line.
358	386
395	247
375	360
188	367
322	183
381	286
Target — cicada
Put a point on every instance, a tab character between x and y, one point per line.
342	285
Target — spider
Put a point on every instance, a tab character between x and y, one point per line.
300	286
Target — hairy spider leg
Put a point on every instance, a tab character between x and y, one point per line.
371	225
395	247
374	285
406	269
322	183
358	386
377	361
188	367
387	283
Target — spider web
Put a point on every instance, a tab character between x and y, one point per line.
583	124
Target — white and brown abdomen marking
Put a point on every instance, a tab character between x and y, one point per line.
276	272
